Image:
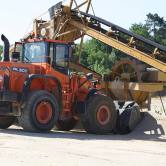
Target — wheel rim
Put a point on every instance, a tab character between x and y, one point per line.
103	115
44	112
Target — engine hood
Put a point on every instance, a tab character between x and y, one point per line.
23	68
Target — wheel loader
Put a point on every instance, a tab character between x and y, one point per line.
41	91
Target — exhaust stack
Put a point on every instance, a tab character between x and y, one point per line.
5	48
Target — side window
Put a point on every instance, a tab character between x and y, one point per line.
61	55
18	50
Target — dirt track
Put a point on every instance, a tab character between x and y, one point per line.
145	146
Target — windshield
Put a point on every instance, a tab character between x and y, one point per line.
34	52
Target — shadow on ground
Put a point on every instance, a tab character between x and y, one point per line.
148	129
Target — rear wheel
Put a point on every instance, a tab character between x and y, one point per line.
66	125
100	115
40	112
6	121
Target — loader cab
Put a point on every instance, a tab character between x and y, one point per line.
56	53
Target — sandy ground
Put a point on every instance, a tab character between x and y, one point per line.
146	145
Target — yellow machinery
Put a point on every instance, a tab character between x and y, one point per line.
130	79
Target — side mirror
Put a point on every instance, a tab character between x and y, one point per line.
15	56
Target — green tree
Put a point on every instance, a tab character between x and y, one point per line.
155	23
1	50
141	29
97	56
154	28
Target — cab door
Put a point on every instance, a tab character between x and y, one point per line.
60	57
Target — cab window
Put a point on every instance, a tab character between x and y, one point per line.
35	52
61	53
59	57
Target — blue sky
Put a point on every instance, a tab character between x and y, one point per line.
16	15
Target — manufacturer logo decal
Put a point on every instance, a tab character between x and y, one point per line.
20	70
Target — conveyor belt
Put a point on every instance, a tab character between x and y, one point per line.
128	42
120	29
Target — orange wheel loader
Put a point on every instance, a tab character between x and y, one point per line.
38	87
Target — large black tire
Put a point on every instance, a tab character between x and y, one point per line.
40	113
66	125
6	121
95	123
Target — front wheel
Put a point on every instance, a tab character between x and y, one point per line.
40	113
100	115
